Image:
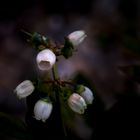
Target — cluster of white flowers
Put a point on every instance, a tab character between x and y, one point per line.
42	110
78	102
45	60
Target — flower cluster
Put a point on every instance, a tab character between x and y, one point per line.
77	99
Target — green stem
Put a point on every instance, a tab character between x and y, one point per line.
27	33
57	91
63	124
54	72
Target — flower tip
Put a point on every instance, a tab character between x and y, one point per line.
77	103
87	95
42	110
77	37
45	59
24	89
44	65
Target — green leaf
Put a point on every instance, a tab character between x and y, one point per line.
13	127
67	50
46	89
80	88
38	40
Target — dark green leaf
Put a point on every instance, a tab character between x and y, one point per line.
38	40
67	50
80	88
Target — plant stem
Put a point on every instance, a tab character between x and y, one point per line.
57	91
27	33
54	72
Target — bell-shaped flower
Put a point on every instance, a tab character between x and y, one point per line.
24	89
87	95
42	110
77	37
45	59
77	103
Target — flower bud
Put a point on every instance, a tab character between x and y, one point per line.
24	89
42	110
46	59
77	103
87	95
77	37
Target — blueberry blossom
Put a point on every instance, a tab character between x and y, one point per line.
77	37
87	95
42	110
77	103
24	89
45	59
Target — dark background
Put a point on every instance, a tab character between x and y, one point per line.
107	61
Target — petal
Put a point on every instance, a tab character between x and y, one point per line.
38	109
77	37
24	89
45	59
88	95
77	103
46	111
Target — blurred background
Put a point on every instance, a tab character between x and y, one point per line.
108	61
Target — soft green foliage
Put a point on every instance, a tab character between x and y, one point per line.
67	50
37	39
80	88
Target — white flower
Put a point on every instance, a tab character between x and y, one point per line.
45	59
42	110
24	89
77	37
77	103
87	95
